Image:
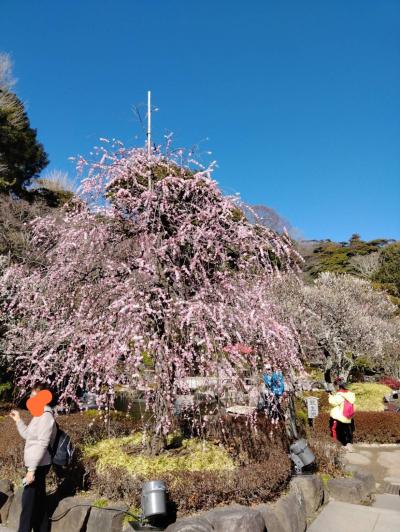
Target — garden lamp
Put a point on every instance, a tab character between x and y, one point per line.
301	455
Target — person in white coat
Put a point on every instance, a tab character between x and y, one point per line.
39	436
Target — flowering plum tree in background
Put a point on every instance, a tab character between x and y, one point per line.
174	273
344	315
355	319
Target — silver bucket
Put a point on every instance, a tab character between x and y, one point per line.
154	500
300	448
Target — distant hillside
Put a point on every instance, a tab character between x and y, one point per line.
377	260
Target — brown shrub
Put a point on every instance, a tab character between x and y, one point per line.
254	483
370	427
328	454
15	215
89	428
188	491
248	441
377	427
11	450
83	428
193	491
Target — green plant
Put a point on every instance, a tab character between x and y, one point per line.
301	415
5	389
100	503
126	453
388	274
325	477
148	360
369	396
362	366
134	511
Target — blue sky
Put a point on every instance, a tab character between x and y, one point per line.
299	100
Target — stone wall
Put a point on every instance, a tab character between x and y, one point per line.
292	512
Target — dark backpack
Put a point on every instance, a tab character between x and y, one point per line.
62	450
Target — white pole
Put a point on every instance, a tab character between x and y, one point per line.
148	123
150	183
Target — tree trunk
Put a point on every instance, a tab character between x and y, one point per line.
156	445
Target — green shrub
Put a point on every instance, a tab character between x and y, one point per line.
100	503
362	366
127	453
369	396
148	360
5	391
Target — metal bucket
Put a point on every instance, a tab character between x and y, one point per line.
154	500
301	449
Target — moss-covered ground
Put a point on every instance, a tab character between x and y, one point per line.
127	453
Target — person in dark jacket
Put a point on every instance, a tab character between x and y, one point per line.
39	435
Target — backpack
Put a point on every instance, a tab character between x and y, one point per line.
348	408
62	450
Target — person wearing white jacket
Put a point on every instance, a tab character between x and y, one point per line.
341	420
39	434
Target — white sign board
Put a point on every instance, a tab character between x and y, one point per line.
312	407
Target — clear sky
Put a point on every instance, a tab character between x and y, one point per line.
299	99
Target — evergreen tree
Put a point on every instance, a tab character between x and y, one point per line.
22	157
388	273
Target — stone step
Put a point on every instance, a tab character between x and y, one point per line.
388	502
390	487
345	517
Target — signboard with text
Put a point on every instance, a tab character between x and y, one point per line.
312	407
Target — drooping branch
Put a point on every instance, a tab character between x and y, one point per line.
172	272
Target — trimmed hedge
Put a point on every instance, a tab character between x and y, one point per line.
393	383
370	427
83	428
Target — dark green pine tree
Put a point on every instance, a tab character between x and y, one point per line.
22	157
388	273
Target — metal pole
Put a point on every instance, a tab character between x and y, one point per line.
149	133
148	122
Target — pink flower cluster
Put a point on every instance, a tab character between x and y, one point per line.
173	272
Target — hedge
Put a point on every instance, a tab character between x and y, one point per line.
370	427
392	382
191	491
263	468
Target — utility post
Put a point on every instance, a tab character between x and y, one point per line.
148	135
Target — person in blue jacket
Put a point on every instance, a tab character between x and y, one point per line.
274	389
273	381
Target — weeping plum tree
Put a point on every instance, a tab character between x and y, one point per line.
174	273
